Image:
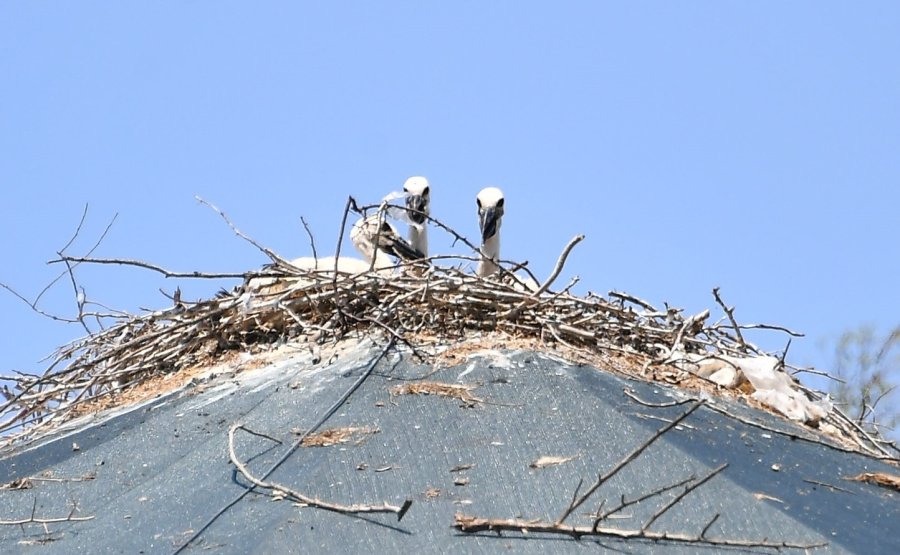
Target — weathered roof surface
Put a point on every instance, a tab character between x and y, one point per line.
161	471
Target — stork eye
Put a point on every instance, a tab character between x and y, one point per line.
425	191
405	190
478	202
500	203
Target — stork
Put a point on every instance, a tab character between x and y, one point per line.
374	238
418	204
490	215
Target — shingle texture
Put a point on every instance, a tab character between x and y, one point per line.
161	470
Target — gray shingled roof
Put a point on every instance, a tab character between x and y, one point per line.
162	469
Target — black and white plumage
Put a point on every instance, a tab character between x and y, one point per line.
490	215
373	237
491	207
418	204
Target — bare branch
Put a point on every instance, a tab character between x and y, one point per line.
559	265
89	252
624	504
709	525
471	525
268	252
681	496
302	498
148	266
312	241
32	519
624	462
632	299
730	313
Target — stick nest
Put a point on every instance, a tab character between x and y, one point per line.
419	301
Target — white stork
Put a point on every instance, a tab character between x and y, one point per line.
374	238
490	215
418	203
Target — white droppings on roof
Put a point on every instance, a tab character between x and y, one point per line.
495	358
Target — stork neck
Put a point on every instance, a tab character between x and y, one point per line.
418	238
490	250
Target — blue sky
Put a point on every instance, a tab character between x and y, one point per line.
747	145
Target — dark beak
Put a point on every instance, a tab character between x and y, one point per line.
403	250
416	208
490	219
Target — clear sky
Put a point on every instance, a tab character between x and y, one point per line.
753	146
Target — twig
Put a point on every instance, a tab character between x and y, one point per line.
730	313
681	496
88	253
148	266
35	520
260	434
306	500
312	241
471	525
631	395
559	265
271	254
624	462
709	525
770	327
624	504
632	299
833	487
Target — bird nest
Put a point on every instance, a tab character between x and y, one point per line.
419	300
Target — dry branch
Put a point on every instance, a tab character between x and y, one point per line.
730	313
624	462
284	491
147	266
46	520
559	265
471	525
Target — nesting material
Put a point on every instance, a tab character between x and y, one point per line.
445	304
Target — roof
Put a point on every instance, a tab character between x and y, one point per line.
154	474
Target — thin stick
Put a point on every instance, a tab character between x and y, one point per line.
624	504
681	496
630	457
560	262
730	313
271	254
471	525
312	241
709	525
148	266
302	498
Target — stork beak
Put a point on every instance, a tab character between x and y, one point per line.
416	208
490	221
403	250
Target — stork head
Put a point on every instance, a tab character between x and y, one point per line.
490	211
418	198
369	234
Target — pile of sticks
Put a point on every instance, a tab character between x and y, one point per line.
421	298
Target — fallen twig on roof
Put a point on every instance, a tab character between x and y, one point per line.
32	519
280	490
471	524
